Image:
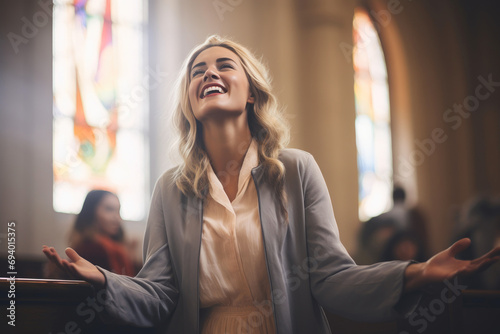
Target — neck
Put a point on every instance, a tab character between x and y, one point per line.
226	142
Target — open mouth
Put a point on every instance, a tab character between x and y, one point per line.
212	90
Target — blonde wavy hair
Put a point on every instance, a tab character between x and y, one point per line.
266	122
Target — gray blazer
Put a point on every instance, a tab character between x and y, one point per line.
309	269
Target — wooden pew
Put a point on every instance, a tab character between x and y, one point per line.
55	307
477	311
471	312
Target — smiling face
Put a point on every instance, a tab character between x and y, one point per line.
219	86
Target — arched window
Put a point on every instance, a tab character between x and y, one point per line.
373	131
100	87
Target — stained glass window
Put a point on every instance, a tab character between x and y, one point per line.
373	132
100	103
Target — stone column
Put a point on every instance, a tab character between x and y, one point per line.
327	103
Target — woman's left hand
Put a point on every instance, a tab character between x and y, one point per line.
444	265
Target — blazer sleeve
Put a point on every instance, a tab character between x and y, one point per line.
150	298
363	293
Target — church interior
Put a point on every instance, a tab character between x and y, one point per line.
429	72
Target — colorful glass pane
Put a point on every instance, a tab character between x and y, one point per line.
99	138
373	131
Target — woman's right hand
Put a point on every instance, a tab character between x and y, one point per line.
78	267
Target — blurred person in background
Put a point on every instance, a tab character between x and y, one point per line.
98	235
403	246
380	234
480	222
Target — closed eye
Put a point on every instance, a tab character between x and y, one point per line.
222	66
197	72
226	65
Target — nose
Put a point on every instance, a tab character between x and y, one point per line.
210	74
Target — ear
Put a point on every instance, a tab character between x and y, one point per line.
251	99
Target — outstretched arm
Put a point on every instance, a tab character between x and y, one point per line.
444	266
368	293
147	300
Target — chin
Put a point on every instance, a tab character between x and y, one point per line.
218	114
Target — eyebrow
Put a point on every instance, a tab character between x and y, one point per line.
219	60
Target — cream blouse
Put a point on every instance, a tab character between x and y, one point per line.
234	284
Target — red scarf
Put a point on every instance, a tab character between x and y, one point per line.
119	259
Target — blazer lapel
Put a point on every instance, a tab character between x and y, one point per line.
274	232
193	224
272	220
273	226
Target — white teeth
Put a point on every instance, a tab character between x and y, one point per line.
211	89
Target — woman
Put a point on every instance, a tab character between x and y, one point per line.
98	235
241	237
403	246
